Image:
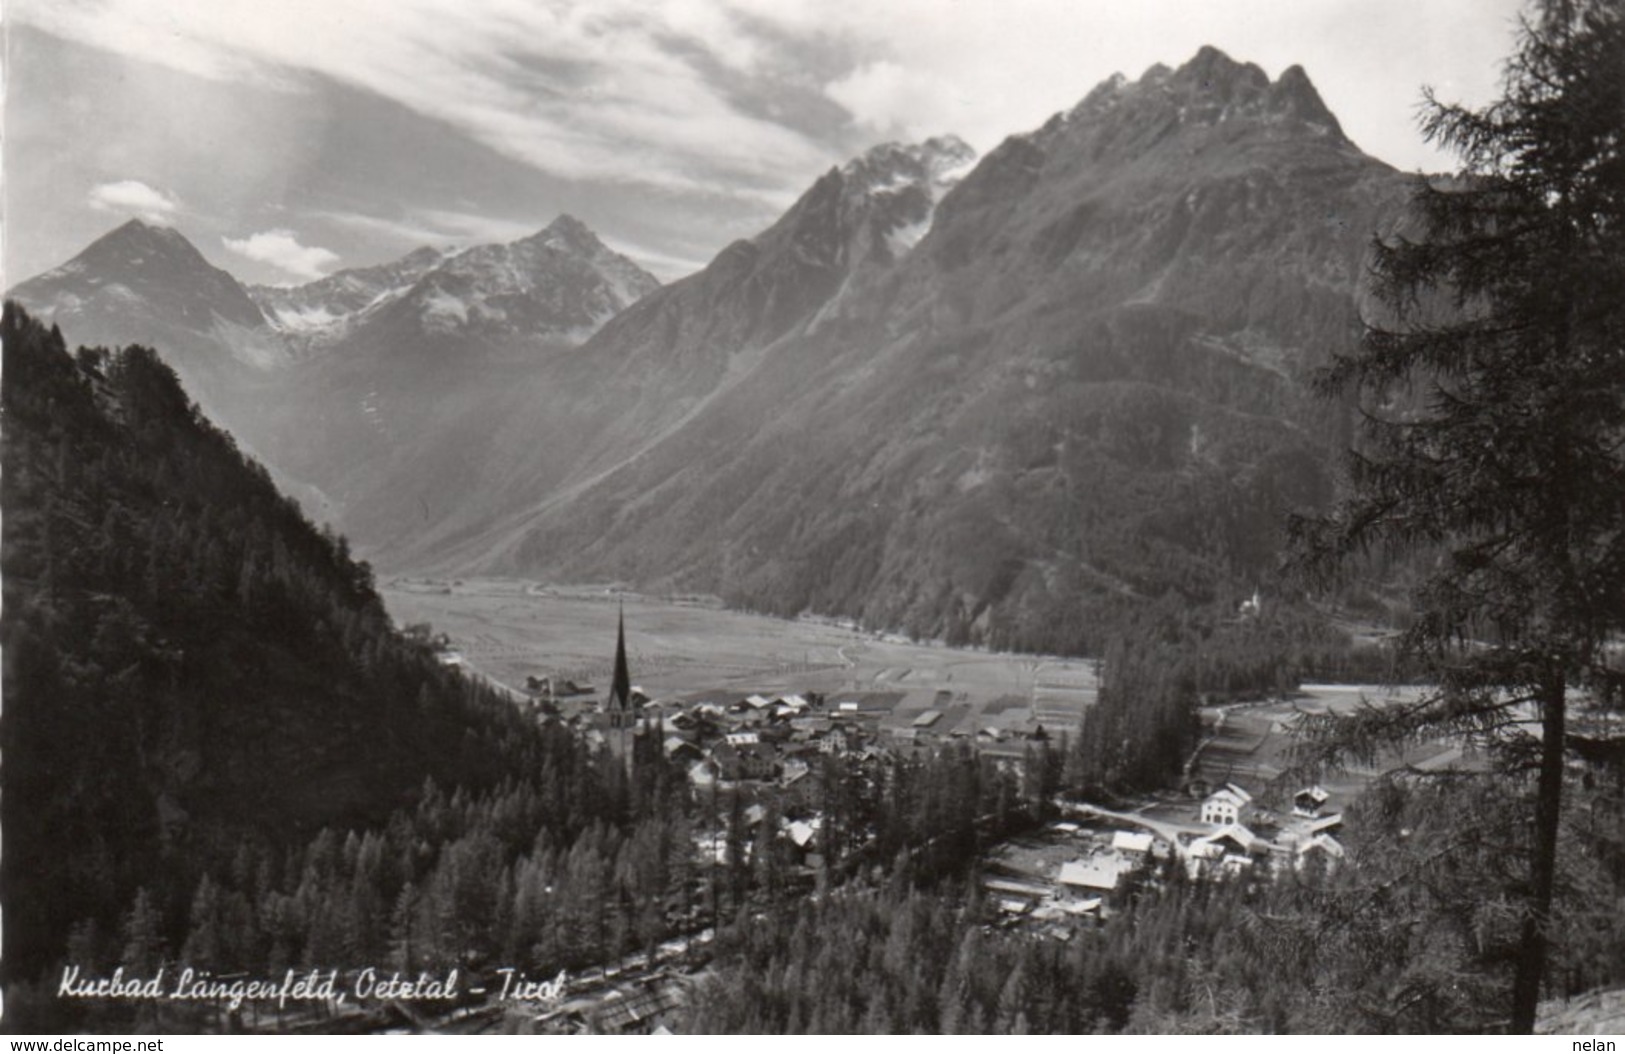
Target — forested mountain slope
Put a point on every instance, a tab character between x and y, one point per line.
187	660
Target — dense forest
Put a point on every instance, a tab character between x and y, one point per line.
1165	659
198	682
1404	939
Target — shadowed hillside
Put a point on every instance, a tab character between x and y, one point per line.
187	660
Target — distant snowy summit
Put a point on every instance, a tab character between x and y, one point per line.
323	311
560	285
144	282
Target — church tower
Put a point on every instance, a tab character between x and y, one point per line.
619	705
623	716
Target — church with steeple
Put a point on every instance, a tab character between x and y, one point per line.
621	707
622	714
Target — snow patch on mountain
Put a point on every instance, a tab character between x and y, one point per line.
321	313
442	312
899	240
303	319
898	185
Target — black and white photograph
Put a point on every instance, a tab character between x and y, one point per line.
774	517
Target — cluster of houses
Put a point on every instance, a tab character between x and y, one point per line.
757	739
1073	871
1069	876
1247	834
767	744
733	738
761	738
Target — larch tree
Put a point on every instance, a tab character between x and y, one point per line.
1491	384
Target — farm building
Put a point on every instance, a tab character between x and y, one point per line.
1309	801
681	750
1228	850
1233	838
1325	846
1015	887
1132	843
1225	805
1100	872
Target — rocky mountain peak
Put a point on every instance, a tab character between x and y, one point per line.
560	283
1212	73
568	234
137	243
936	162
1211	89
139	228
320	313
424	255
1295	95
880	204
140	266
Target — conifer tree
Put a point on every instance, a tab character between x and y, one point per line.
1492	387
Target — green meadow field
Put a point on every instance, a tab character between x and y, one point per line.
507	630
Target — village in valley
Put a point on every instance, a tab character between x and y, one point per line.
761	737
755	711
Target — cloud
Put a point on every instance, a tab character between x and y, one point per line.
626	92
135	197
891	99
468	226
718	113
435	227
282	250
668	267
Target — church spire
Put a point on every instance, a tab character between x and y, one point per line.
620	690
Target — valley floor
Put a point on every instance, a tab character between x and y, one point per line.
507	630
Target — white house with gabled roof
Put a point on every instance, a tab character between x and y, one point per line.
1225	805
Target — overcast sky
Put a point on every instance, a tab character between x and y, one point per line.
290	138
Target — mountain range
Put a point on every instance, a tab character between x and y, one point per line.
322	381
980	400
